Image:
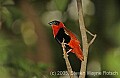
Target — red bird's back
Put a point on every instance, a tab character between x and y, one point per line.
60	32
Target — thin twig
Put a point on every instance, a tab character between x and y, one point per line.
69	68
92	40
84	39
89	32
94	36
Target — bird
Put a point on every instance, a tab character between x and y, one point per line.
72	44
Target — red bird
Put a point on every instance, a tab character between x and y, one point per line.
72	44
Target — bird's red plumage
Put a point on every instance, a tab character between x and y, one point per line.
74	42
56	28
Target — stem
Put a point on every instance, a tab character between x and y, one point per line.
69	68
92	40
84	39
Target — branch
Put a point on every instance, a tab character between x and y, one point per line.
84	39
69	68
94	36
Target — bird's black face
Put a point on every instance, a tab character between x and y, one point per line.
54	22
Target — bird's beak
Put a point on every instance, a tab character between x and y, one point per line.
50	23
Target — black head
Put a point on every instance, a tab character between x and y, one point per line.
54	22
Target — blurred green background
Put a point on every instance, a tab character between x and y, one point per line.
27	46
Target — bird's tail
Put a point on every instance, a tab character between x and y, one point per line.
74	44
78	53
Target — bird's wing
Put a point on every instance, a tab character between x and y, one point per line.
73	37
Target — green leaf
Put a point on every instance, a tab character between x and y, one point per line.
43	66
4	73
7	17
112	61
25	64
61	4
16	13
28	33
8	2
3	56
16	27
4	43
